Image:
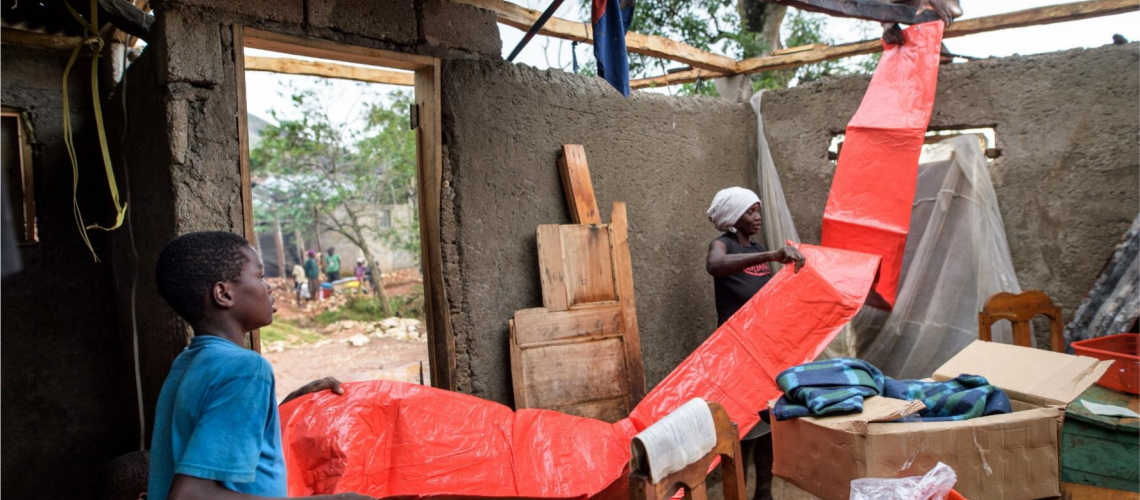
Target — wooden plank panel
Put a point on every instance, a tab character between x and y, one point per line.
441	340
324	49
243	157
541	325
607	410
623	275
586	259
328	70
523	18
517	376
578	185
551	272
574	373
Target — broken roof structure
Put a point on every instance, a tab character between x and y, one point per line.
490	133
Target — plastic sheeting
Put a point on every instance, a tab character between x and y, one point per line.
385	438
779	228
957	256
778	225
868	209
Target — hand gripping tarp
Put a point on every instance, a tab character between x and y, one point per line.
385	438
869	207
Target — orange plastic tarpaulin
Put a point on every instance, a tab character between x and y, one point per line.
869	207
385	438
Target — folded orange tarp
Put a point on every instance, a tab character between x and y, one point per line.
869	207
387	438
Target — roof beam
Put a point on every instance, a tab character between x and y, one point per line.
328	70
35	39
523	18
1029	17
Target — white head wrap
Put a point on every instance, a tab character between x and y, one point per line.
729	204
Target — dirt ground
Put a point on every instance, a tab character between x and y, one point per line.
348	350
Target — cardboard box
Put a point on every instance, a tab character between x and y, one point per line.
1000	457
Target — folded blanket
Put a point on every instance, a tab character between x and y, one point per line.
961	398
838	386
828	387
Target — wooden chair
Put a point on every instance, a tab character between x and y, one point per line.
692	478
1020	309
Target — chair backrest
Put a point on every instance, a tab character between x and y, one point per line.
1020	309
692	477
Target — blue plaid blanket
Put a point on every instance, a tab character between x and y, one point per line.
838	386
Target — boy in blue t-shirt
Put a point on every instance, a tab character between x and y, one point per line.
216	429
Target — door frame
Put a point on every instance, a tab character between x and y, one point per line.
429	171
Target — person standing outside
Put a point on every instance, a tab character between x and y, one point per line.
313	274
298	279
360	271
739	267
332	265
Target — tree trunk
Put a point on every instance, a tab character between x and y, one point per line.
280	247
377	275
300	241
764	19
317	230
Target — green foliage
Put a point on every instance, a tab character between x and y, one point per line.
311	166
358	308
284	331
410	305
715	25
367	307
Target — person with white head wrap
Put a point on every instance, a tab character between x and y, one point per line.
739	267
728	205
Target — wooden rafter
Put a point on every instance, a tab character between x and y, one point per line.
35	39
523	18
1029	17
328	70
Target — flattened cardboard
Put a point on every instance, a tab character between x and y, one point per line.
1000	457
1035	376
875	409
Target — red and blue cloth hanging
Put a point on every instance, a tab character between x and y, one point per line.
611	19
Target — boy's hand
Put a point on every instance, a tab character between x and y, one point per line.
329	383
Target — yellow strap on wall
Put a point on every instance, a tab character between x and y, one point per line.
93	40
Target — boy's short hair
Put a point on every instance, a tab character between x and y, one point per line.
191	264
125	477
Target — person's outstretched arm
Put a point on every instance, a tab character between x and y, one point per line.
719	263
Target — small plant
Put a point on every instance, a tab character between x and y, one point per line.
284	331
409	306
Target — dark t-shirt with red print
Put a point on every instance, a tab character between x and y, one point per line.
734	290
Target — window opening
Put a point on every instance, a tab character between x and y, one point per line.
18	174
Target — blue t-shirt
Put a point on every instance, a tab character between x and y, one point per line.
217	419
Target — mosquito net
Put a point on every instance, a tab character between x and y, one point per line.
956	257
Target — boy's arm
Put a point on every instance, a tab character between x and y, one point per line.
194	488
329	383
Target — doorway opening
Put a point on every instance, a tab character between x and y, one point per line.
340	173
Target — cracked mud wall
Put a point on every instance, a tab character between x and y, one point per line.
182	117
1066	182
68	394
665	156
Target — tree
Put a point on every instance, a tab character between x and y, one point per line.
737	28
312	170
